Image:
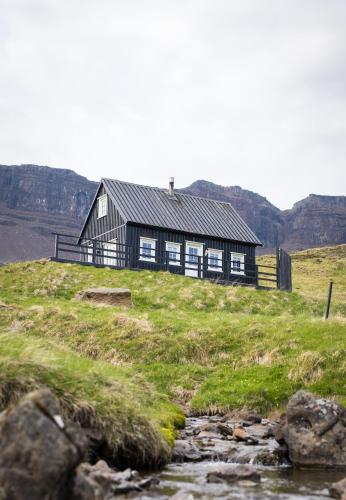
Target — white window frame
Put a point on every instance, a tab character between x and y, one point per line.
220	260
152	241
177	251
242	263
90	252
102	206
112	256
191	264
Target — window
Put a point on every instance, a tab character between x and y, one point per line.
102	206
214	260
173	250
147	249
109	253
237	263
192	257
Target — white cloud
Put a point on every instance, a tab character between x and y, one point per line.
249	93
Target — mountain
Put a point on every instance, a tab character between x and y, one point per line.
37	200
314	221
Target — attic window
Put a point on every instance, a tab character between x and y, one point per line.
102	206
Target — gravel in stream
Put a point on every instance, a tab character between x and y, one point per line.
208	443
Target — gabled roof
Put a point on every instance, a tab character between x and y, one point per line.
154	207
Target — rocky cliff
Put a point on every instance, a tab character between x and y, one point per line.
46	190
315	221
36	201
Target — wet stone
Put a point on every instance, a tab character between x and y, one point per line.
233	473
338	489
185	451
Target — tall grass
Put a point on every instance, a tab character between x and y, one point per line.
201	345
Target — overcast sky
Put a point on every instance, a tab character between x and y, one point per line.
246	92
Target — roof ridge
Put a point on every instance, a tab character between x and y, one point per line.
164	189
131	183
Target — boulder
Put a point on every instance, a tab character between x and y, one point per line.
38	452
314	430
338	490
233	473
107	296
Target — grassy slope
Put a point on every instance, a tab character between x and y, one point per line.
185	340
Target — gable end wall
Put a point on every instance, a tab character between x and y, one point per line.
96	228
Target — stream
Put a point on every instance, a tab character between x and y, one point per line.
207	444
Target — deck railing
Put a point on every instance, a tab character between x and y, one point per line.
70	248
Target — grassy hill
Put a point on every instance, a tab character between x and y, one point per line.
204	346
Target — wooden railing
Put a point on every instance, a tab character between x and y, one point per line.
69	248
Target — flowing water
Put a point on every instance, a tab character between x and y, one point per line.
280	482
276	483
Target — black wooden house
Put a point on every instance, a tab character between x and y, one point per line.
143	227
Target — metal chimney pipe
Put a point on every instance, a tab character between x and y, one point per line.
171	186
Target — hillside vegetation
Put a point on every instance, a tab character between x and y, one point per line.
204	346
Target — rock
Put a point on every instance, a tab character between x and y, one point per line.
107	296
84	488
99	481
233	473
314	430
253	418
214	429
240	434
270	457
338	490
38	452
148	482
185	451
260	431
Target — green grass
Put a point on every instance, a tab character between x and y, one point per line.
185	341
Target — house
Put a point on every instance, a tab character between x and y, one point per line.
144	227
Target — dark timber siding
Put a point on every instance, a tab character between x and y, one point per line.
109	227
134	232
96	228
112	226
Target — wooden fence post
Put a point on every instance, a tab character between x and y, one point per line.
329	300
56	245
94	252
278	268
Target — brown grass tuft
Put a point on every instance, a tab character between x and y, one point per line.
307	368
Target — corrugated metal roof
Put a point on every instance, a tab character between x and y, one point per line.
153	206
